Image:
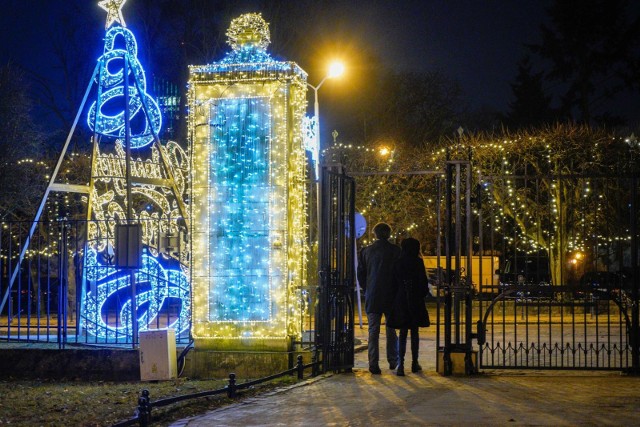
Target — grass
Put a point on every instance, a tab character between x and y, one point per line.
51	403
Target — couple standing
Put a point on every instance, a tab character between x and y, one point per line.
395	284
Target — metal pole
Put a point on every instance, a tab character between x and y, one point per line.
316	114
127	142
447	368
458	244
355	265
438	268
469	244
635	313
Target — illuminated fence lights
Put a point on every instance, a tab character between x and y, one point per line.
248	226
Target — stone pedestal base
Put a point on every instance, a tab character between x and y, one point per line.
217	359
457	361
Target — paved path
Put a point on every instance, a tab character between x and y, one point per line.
491	398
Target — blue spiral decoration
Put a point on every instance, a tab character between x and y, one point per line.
106	115
163	298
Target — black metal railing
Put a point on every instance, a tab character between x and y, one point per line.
336	291
47	292
529	327
143	412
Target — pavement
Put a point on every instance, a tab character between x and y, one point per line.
495	397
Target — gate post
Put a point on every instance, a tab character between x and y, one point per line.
458	356
635	292
336	265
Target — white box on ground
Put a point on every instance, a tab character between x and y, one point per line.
158	355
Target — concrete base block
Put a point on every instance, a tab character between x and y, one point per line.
214	364
457	360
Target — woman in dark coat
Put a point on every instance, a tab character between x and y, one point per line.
409	311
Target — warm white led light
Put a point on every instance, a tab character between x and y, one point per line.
114	11
249	223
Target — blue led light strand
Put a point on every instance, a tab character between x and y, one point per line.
107	310
106	116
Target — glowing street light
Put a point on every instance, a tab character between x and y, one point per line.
384	151
336	69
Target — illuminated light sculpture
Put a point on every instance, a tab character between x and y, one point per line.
106	316
248	204
156	184
310	126
114	12
111	86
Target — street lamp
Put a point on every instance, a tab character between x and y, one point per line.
336	69
384	151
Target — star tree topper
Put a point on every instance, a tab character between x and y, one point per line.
114	11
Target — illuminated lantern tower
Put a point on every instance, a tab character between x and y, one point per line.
248	203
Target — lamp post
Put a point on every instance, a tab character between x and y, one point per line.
336	69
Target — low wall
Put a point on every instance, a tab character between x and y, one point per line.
70	364
211	364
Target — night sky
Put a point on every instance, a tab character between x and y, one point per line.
475	42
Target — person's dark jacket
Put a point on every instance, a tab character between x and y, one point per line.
410	287
375	269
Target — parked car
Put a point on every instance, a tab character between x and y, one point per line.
603	285
439	276
524	289
527	277
435	277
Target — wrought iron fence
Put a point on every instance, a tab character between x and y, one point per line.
565	295
66	288
561	331
143	413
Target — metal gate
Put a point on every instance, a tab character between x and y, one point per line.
565	295
335	313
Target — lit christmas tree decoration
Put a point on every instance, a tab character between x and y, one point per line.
249	198
106	116
162	297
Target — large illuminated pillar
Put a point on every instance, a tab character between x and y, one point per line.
249	227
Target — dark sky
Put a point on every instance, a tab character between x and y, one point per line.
476	42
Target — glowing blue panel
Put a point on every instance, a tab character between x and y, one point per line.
239	209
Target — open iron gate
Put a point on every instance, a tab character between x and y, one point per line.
336	293
533	314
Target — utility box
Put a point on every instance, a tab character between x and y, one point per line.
158	355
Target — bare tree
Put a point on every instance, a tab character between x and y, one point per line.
545	184
22	173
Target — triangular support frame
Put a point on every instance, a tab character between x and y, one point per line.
74	188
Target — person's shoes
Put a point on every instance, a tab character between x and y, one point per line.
375	370
415	367
393	365
400	371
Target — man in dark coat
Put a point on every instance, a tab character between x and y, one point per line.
375	270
